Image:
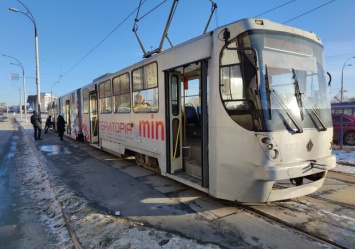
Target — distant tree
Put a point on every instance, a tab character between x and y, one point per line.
351	99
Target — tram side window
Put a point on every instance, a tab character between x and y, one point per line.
145	88
85	94
72	103
121	94
233	96
105	97
232	89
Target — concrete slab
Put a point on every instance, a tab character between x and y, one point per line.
162	184
262	234
136	171
346	194
186	195
210	208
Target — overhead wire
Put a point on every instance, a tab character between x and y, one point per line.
275	8
141	3
309	11
87	54
150	10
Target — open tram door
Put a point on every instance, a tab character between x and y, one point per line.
187	140
94	119
174	139
67	117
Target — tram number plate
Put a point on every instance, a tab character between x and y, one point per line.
291	147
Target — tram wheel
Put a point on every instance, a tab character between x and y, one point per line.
139	159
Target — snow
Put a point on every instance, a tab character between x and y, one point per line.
92	228
345	159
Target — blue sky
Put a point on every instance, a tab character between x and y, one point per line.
69	30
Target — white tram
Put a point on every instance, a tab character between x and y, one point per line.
241	113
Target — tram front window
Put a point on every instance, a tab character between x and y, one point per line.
293	87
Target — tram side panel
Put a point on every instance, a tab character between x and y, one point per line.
69	108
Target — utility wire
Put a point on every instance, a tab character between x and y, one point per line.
275	8
161	4
334	55
101	42
150	10
309	11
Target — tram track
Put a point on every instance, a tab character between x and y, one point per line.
307	206
289	226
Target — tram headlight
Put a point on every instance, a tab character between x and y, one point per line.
269	147
266	140
273	154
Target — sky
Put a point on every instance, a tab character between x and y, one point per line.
80	40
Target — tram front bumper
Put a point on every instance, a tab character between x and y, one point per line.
278	172
294	170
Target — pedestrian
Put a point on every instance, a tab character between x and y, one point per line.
61	126
48	124
37	125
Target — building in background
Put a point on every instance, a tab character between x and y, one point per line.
47	100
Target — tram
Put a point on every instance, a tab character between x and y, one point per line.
241	113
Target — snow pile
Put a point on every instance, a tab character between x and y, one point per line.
345	160
92	228
36	183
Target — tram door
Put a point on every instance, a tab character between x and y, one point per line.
176	126
67	117
94	119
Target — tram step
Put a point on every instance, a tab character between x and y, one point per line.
193	168
192	152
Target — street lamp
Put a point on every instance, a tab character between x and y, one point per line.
342	77
30	16
19	91
24	84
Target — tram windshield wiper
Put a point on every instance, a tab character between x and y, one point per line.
324	128
289	114
298	93
267	86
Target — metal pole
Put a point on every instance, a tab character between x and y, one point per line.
37	75
342	84
24	94
30	16
342	78
24	83
19	90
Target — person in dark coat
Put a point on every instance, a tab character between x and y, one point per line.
37	125
61	126
48	123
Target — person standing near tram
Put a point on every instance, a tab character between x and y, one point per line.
61	126
37	125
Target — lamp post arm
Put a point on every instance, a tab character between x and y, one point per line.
24	84
342	78
30	16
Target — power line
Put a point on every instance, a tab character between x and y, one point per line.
309	11
275	8
334	55
101	41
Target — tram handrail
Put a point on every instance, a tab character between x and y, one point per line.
177	139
